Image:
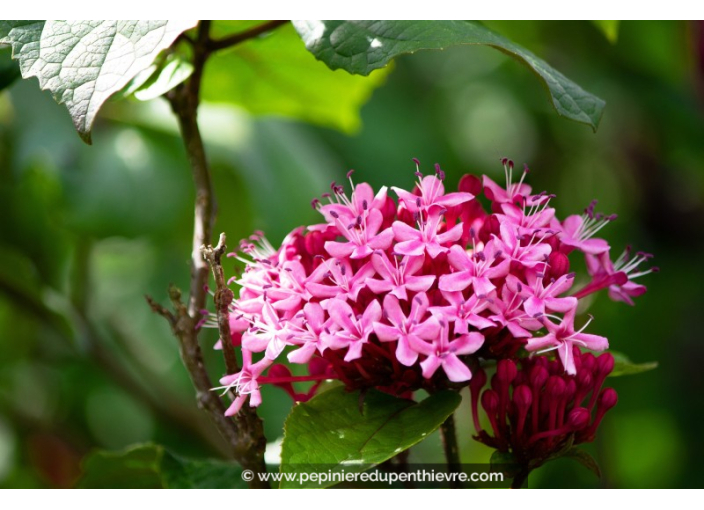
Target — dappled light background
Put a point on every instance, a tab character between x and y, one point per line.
86	232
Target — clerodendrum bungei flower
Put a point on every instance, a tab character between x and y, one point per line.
430	290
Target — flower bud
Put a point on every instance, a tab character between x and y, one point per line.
578	418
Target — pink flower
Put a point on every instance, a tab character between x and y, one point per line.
398	278
463	313
354	330
563	337
528	251
578	231
432	195
409	332
443	353
245	383
616	276
512	192
476	269
341	281
416	242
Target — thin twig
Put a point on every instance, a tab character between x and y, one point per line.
234	39
223	299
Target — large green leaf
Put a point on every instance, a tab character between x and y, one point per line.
332	433
84	62
150	466
275	74
624	366
359	47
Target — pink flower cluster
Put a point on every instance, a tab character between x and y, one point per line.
413	294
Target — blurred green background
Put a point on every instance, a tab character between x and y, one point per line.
86	232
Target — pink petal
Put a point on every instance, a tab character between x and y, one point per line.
404	232
451	235
459	258
419	283
538	343
382	240
593	342
410	248
341	313
430	365
453	199
386	333
303	354
405	355
456	370
379	286
428	330
482	286
339	250
455	282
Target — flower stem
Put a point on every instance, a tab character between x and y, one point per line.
452	451
520	481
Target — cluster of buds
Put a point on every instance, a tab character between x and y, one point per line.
536	409
421	291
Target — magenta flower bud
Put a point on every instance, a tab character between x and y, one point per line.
578	418
588	362
538	377
555	387
523	397
490	402
604	364
607	399
559	264
388	209
570	389
478	380
584	380
491	226
314	243
506	371
470	184
278	371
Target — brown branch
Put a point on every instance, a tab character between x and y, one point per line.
234	39
244	433
223	299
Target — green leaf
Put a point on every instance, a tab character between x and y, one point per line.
330	433
624	366
181	473
275	74
83	63
608	28
584	459
151	466
134	468
359	47
177	70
